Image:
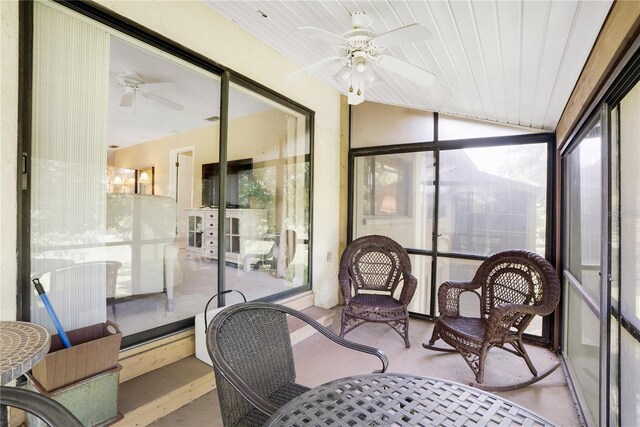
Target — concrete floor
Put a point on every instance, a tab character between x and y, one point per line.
318	360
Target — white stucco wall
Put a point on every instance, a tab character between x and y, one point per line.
8	153
199	28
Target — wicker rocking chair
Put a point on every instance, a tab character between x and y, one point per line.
374	266
252	357
515	286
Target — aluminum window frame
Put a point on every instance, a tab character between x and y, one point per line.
436	147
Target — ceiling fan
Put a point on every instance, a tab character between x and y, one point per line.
133	84
360	50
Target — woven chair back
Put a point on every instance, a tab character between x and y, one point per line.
375	263
256	343
514	277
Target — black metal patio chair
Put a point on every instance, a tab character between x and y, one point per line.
250	347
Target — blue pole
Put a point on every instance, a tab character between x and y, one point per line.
52	313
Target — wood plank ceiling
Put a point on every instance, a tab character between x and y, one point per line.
508	61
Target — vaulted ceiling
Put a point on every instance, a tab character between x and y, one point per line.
508	61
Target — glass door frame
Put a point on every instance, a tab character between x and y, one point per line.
110	19
620	81
602	309
436	147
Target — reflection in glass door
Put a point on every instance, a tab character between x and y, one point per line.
266	234
108	239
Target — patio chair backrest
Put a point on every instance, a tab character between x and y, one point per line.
375	263
517	277
255	343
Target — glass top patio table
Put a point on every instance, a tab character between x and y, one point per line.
401	400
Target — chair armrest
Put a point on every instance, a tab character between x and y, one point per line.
45	408
242	388
341	341
408	288
502	317
449	296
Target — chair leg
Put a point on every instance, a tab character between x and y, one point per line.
520	348
402	328
435	335
475	362
112	303
407	344
480	372
343	323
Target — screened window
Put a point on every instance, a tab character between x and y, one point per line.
388	186
493	199
450	204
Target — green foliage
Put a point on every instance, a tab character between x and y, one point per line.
254	193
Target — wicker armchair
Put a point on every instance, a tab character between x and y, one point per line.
252	357
514	287
373	266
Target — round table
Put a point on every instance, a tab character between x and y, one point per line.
22	345
398	400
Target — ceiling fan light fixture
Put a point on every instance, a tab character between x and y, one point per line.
133	84
360	20
361	48
344	74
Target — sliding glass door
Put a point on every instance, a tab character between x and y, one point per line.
266	225
126	179
602	263
584	285
624	318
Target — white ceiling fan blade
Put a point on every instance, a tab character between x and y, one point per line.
410	33
409	71
319	33
127	98
164	101
311	68
156	86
